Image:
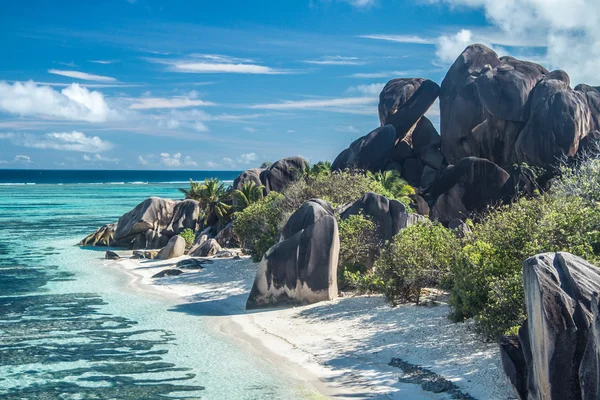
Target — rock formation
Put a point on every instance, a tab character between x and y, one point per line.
556	353
104	236
207	248
274	178
390	216
174	248
302	268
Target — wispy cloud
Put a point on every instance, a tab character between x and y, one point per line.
66	141
82	75
218	64
176	160
103	62
23	159
100	158
352	105
74	102
146	103
373	89
414	39
336	60
379	74
249	129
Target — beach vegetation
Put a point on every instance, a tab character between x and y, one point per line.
189	237
418	257
359	247
215	202
248	194
258	226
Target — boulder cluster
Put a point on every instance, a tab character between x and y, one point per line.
495	113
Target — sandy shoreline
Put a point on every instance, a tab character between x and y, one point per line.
340	348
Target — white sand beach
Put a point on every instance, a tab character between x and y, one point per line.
340	348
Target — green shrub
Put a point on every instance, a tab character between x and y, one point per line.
419	256
487	275
359	246
189	237
392	182
258	226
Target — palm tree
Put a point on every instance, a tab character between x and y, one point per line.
194	192
393	182
213	198
248	194
318	169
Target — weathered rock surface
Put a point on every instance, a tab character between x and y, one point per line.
185	216
276	177
193	263
559	341
226	253
104	236
390	216
153	213
470	186
174	248
111	255
226	237
404	101
147	254
311	211
511	111
208	248
371	152
167	272
302	268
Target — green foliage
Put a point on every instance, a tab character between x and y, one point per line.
266	164
248	194
258	226
213	199
487	276
320	168
393	183
419	256
359	246
189	237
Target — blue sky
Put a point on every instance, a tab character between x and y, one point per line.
181	84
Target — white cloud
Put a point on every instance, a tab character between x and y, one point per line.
3	162
336	60
142	160
74	102
317	103
401	38
361	3
211	164
449	47
247	158
249	129
217	64
146	103
99	158
373	89
66	141
82	75
176	160
23	159
103	62
349	129
571	30
379	74
228	160
290	131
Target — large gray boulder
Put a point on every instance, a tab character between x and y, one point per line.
174	248
469	186
311	211
153	213
226	237
206	248
276	177
185	216
104	236
559	341
404	101
302	268
371	152
390	216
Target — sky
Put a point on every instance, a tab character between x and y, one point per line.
198	84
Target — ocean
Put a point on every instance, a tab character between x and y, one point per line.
69	326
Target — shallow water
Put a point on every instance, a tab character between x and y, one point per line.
70	329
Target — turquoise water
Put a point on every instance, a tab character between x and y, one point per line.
70	329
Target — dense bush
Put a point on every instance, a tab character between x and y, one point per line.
359	246
419	256
259	225
487	276
189	237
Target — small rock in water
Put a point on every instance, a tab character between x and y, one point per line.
168	272
225	254
193	263
111	255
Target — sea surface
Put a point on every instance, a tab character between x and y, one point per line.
71	329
